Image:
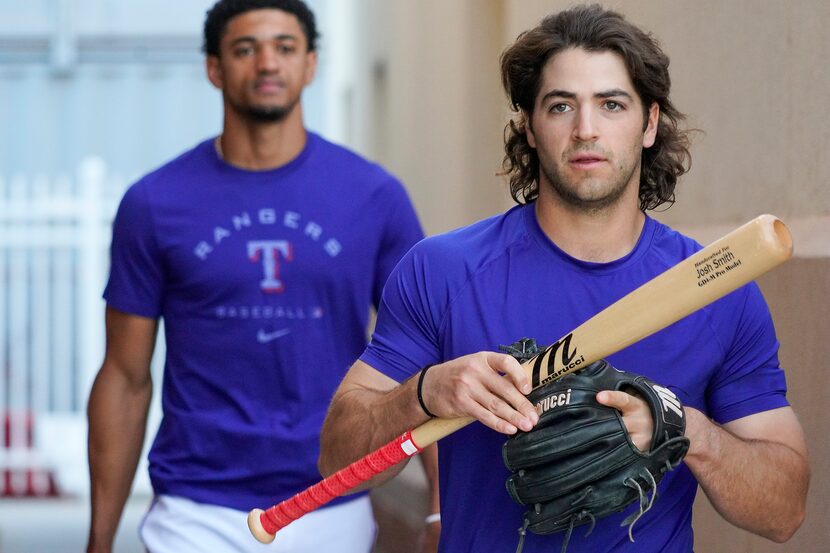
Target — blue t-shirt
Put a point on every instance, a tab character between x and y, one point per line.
264	280
502	279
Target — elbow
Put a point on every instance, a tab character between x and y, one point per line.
329	458
788	527
782	535
324	465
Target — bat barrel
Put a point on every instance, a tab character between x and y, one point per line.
778	235
704	277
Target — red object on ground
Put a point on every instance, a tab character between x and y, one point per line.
21	475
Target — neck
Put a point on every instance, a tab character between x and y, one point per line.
598	236
258	146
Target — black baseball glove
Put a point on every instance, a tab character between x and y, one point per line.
579	464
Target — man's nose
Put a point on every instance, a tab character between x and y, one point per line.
267	60
585	128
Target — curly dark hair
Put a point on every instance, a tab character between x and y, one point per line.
595	29
223	11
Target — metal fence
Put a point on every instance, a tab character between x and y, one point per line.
54	239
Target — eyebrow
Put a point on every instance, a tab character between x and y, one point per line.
279	37
610	93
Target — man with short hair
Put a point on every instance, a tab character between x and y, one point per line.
263	250
595	142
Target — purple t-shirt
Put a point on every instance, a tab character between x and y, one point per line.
264	280
502	279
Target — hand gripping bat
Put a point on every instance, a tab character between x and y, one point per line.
723	266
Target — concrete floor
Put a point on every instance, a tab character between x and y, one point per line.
60	525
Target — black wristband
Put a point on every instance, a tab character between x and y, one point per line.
420	397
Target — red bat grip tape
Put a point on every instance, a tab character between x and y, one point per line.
338	483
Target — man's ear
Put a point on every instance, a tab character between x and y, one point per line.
650	134
214	71
311	67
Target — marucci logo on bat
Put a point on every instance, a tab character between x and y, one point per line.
569	361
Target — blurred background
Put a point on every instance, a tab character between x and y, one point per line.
97	92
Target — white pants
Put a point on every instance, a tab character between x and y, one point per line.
178	525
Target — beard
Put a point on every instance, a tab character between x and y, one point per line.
264	114
592	194
269	114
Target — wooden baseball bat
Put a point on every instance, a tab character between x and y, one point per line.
723	266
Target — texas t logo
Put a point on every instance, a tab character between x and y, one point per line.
268	253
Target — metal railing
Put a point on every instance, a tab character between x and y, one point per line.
54	240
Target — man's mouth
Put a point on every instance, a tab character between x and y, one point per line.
586	160
269	86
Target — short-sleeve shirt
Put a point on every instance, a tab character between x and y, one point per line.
264	281
503	279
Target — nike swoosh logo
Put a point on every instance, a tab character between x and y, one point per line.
264	337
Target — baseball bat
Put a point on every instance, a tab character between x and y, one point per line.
711	273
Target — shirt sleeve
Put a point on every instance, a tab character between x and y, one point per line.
751	379
401	230
136	277
406	336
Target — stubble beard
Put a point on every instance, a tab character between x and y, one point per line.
573	194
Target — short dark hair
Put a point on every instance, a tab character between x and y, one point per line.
594	29
224	10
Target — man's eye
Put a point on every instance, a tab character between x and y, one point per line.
611	105
286	49
243	51
560	108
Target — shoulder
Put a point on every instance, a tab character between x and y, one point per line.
745	305
436	272
183	168
460	254
348	166
670	244
676	247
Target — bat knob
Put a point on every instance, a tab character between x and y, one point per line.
255	526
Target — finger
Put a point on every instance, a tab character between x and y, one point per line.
635	413
509	366
519	410
513	405
490	419
621	401
498	403
487	399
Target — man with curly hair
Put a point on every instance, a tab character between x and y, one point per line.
595	142
263	250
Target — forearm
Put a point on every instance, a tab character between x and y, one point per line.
117	413
361	420
370	409
757	485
